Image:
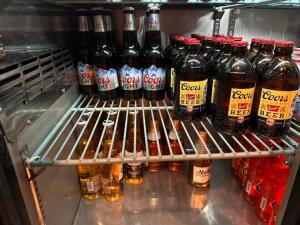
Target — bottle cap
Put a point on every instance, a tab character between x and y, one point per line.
221	36
180	38
97	9
267	42
239	44
236	38
192	41
257	40
284	43
173	36
128	8
108	123
210	38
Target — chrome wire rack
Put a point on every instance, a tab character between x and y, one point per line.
83	122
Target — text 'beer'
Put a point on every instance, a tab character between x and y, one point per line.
235	85
154	74
191	84
275	93
130	73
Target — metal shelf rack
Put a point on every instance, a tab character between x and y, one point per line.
60	147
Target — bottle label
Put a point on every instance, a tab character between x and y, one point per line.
213	97
131	78
99	24
240	103
201	175
153	21
107	79
134	169
86	74
93	185
192	93
108	25
276	105
129	23
154	78
172	80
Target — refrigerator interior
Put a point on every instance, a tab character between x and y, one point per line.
38	87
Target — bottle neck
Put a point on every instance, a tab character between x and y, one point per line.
254	46
153	35
193	49
239	51
227	49
99	30
129	32
206	45
284	52
109	132
217	46
83	29
266	49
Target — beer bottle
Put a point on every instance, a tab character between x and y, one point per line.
234	88
105	66
175	56
191	84
198	36
207	45
131	76
134	171
217	63
215	53
152	145
89	178
254	47
175	166
111	174
85	72
201	169
275	93
154	74
171	46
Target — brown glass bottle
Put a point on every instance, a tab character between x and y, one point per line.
85	72
105	66
275	93
191	84
215	53
263	56
254	47
154	73
176	55
235	84
207	45
130	72
218	63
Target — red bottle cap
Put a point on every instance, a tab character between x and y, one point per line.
258	40
239	43
285	43
267	42
191	41
208	38
237	38
179	38
224	40
173	36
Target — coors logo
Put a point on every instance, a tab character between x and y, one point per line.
130	78
154	78
107	79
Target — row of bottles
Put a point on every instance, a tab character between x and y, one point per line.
108	178
263	180
108	71
234	88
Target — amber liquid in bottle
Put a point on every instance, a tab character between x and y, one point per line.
89	177
111	174
201	169
152	145
175	166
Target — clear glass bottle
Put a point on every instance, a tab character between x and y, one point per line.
111	174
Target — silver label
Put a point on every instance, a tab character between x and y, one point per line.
83	24
108	24
99	24
153	22
129	22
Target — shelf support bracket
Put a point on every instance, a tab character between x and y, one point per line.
233	14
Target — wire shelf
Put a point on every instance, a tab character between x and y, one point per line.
83	121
